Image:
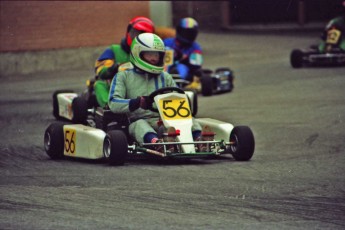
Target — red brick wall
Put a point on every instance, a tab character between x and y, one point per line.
45	25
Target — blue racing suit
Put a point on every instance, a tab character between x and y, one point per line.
187	59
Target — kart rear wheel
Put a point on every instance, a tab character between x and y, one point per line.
296	58
79	108
242	143
55	102
54	140
115	147
206	85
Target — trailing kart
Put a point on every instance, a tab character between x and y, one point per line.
68	105
110	139
331	53
212	82
80	108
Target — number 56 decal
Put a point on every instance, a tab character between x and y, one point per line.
70	135
175	109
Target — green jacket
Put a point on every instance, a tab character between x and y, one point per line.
338	23
106	64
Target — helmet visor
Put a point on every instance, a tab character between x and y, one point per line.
155	58
187	35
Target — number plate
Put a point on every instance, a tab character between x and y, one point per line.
169	57
70	143
333	36
175	109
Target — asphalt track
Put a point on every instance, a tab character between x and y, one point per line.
295	179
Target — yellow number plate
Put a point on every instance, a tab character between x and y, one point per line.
333	36
175	109
169	57
70	144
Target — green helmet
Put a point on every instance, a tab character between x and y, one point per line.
148	43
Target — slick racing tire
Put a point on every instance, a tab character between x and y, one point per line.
79	108
115	147
242	143
56	104
296	58
54	140
206	85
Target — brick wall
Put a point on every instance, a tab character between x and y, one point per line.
44	25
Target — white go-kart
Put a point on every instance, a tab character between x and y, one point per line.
110	139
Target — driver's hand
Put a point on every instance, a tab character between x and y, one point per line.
145	102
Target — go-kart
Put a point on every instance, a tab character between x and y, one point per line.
74	107
80	108
212	82
110	139
332	54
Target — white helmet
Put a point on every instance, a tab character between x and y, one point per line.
147	43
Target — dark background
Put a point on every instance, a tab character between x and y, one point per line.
275	11
257	11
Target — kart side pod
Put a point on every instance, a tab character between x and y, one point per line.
73	140
83	141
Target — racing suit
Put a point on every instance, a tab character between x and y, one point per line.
338	23
131	84
106	67
187	59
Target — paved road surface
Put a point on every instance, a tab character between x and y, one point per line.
295	179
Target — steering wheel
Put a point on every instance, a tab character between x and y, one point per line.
162	91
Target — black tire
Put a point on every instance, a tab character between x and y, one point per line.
92	101
79	108
54	140
206	85
115	147
296	58
56	104
194	103
243	144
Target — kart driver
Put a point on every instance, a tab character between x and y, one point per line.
339	24
129	89
187	52
108	63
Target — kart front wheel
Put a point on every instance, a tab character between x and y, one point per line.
115	147
54	140
242	143
296	58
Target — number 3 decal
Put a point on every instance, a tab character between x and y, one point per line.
70	141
